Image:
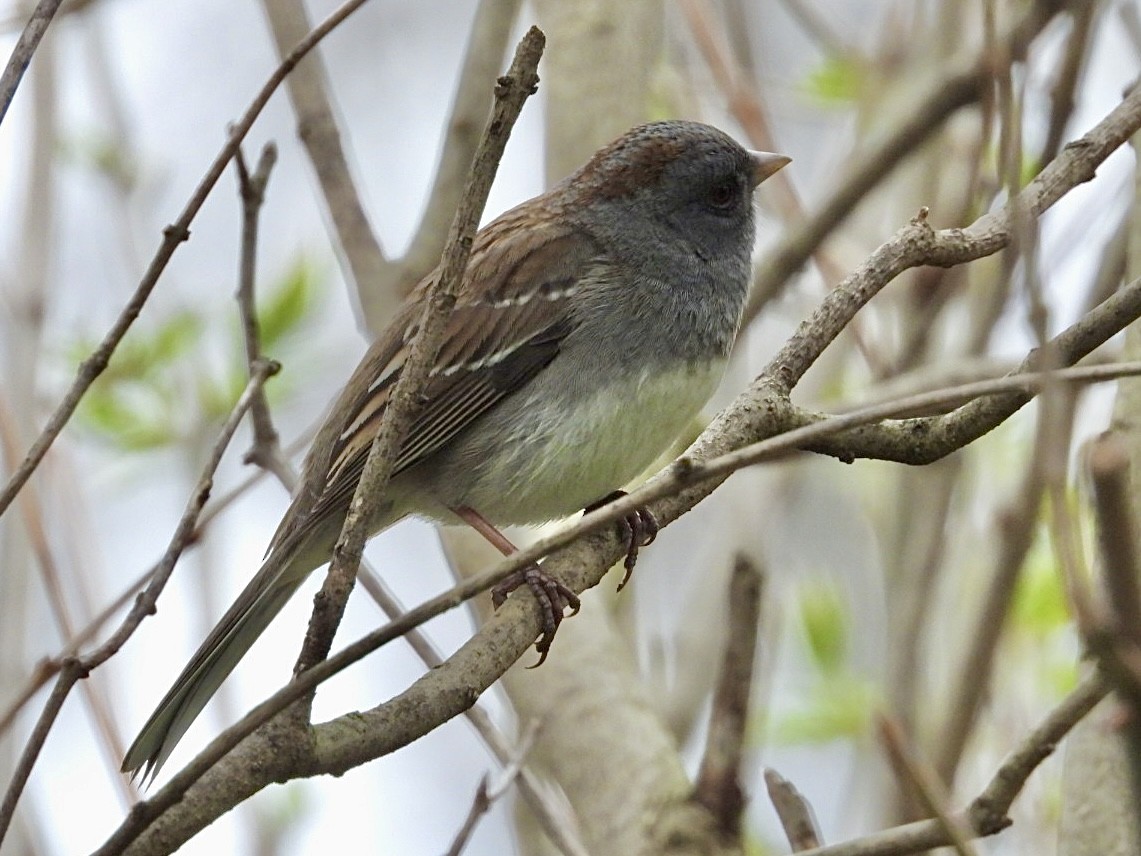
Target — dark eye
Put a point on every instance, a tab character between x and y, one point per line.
722	196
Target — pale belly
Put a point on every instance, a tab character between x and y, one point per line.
547	470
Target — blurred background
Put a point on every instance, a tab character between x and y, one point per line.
876	575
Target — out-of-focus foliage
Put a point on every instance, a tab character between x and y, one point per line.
833	702
837	81
826	626
170	377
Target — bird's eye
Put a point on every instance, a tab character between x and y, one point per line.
722	196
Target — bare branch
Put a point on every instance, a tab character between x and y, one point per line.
75	668
718	786
487	794
266	449
173	235
795	812
512	90
987	813
22	53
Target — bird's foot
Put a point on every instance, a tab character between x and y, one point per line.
638	529
553	598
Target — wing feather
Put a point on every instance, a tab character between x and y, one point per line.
512	314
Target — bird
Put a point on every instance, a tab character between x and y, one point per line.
592	323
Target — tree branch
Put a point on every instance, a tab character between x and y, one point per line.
987	813
21	55
75	668
173	235
718	786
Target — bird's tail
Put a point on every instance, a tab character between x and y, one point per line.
262	599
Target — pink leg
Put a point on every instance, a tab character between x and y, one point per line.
553	596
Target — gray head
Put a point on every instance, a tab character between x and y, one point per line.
670	204
683	180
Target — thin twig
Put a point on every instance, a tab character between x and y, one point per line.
71	672
173	235
487	794
911	770
718	786
76	668
266	449
512	90
795	812
22	53
987	813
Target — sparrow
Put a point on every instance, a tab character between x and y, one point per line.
592	324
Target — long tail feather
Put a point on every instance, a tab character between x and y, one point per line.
259	603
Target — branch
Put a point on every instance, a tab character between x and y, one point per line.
22	53
266	449
75	668
987	813
486	794
718	786
511	92
763	411
173	236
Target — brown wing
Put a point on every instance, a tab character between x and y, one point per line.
511	317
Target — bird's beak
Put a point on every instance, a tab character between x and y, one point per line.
765	164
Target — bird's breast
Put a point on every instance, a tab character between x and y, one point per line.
548	463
